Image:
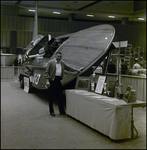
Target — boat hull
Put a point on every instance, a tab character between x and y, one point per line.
84	49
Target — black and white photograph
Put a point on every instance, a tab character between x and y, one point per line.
73	74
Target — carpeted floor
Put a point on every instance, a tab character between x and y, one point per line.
26	124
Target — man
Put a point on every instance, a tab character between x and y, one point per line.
136	64
124	67
54	74
15	69
111	67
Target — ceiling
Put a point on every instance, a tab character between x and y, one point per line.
78	10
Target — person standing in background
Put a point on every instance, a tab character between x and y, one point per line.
136	64
15	69
111	67
124	67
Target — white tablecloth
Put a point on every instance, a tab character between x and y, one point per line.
107	115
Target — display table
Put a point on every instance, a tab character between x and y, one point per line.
110	116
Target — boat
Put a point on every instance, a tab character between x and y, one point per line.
82	49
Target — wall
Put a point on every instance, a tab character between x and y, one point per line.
24	28
135	33
11	72
138	83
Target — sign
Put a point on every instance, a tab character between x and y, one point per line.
120	44
36	78
100	84
26	84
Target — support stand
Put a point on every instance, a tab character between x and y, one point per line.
119	78
132	125
135	104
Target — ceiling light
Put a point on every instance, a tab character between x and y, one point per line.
111	16
141	18
89	15
55	12
32	10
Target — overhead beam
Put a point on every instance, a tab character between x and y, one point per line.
89	5
59	8
18	2
139	6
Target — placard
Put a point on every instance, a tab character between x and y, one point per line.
120	44
26	84
83	83
100	84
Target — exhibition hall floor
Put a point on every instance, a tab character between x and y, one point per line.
26	124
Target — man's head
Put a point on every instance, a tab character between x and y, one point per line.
135	60
58	56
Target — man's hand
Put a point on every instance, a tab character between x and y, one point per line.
80	69
47	83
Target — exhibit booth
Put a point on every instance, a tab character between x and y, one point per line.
111	116
106	112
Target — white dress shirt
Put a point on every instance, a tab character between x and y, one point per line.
58	69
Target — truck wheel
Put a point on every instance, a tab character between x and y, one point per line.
30	87
22	83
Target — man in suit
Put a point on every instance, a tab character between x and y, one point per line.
54	74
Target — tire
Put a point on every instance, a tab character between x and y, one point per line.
30	87
22	83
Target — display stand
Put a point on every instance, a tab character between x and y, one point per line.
107	115
135	104
119	45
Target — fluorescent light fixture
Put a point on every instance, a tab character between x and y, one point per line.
55	12
89	15
111	16
32	10
141	18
